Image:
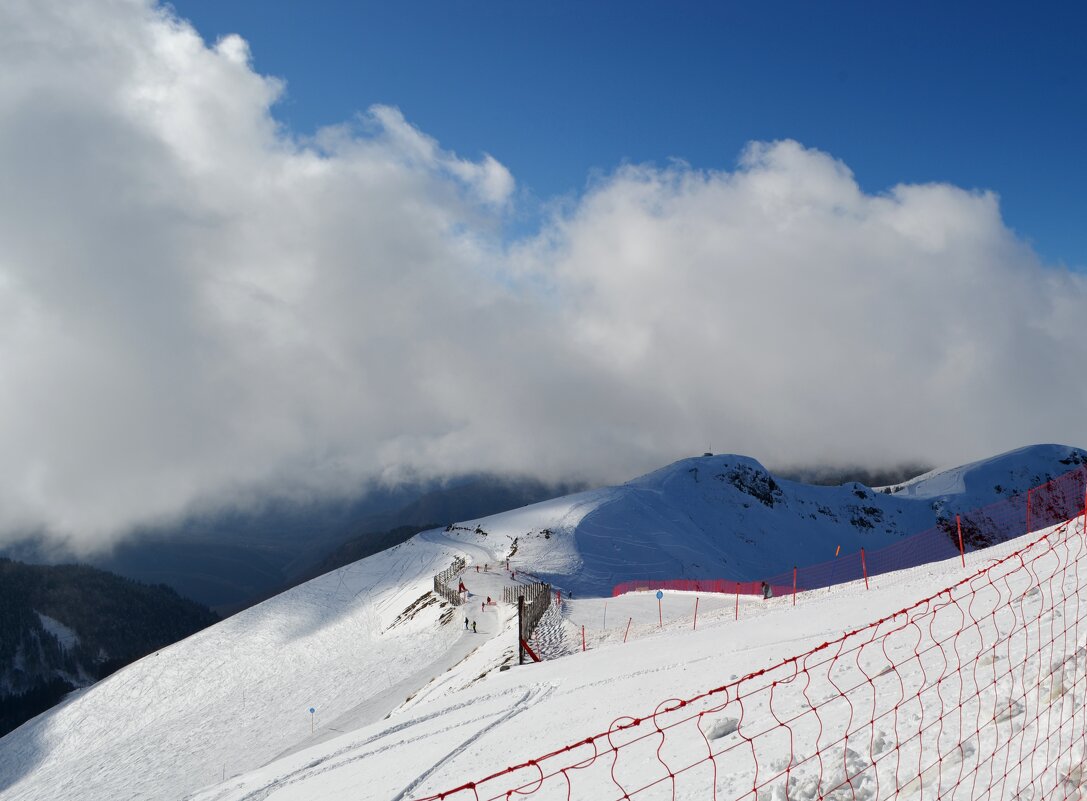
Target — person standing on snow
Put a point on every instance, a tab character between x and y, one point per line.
473	627
466	624
767	592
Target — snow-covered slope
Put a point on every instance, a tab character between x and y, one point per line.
235	695
370	640
474	726
996	477
728	517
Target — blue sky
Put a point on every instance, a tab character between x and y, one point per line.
825	277
989	95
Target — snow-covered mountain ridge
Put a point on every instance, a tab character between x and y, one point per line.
369	641
728	517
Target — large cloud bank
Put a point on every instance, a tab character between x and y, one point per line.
198	308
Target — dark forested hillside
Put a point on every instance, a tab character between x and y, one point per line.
66	626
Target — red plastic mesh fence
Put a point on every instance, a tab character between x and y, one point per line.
978	691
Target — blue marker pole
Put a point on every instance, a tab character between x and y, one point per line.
660	612
311	712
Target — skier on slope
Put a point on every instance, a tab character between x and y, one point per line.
473	627
466	624
767	592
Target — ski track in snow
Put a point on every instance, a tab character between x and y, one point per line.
531	697
357	752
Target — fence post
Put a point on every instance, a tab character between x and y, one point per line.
695	627
583	638
628	629
520	630
864	567
962	551
794	585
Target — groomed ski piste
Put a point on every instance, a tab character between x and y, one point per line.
408	703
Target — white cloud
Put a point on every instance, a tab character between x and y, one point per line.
197	307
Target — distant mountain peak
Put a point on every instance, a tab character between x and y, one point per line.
728	516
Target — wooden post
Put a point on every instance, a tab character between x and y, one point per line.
864	567
695	627
583	638
962	551
520	630
628	629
